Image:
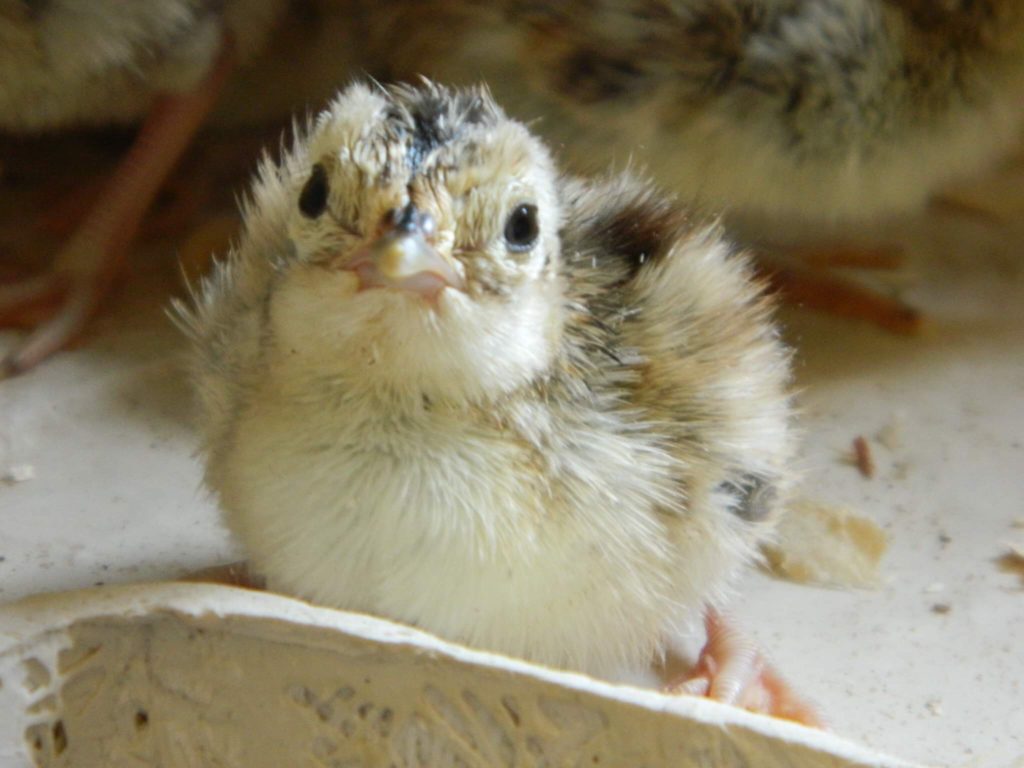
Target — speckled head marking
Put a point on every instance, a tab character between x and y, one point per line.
431	117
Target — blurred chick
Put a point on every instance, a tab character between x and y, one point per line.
70	63
441	383
793	110
802	120
787	114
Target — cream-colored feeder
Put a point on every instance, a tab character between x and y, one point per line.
197	675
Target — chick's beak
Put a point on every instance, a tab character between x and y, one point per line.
401	258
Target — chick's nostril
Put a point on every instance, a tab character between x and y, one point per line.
405	219
409	220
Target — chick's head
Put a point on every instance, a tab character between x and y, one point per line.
423	229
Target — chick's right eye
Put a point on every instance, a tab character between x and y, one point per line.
313	198
521	228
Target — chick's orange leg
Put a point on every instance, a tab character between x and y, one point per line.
732	670
811	287
845	299
85	267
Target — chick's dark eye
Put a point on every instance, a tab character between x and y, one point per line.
521	229
313	198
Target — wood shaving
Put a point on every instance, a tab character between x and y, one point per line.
826	545
862	458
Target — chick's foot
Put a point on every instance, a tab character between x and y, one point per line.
813	288
732	670
84	269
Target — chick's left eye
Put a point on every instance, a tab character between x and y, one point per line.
521	228
313	198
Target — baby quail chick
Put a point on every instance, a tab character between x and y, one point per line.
67	63
805	110
441	383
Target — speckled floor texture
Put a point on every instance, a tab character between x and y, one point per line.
103	487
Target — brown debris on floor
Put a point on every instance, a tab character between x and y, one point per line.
1012	561
862	458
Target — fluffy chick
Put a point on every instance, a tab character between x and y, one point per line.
805	111
69	63
439	382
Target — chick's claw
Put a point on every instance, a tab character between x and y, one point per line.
74	304
733	671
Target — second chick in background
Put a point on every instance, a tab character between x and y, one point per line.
792	116
798	111
536	414
809	123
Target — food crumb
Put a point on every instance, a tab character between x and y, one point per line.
862	457
19	473
934	706
826	545
1012	561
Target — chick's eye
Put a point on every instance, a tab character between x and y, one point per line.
521	229
313	198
